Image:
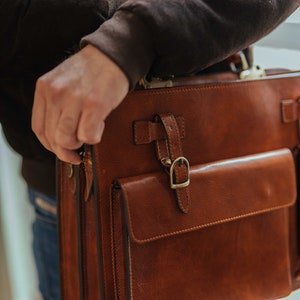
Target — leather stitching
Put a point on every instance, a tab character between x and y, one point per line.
114	263
211	86
225	220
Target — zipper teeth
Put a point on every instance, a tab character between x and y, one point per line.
83	205
115	256
98	223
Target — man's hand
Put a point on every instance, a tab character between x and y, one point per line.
73	100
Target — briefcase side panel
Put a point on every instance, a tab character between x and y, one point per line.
80	276
220	123
68	233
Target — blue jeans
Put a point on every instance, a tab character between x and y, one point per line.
45	244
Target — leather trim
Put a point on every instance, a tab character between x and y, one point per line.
290	110
95	190
80	233
145	132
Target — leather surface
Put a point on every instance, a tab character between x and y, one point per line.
170	148
221	192
75	218
222	122
249	195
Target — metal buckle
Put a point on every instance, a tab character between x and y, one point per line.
179	161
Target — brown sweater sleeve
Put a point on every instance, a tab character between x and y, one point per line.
175	37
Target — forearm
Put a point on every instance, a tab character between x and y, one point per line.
163	37
179	37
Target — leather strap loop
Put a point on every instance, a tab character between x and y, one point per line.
290	110
88	173
170	151
145	132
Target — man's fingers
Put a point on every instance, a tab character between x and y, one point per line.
73	100
90	128
66	155
66	129
38	120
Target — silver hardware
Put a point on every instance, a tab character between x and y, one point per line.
155	83
244	63
254	72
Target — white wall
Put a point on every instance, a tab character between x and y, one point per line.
16	217
287	35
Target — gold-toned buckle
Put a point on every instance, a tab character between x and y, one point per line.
179	161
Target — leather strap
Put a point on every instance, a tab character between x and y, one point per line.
145	132
87	190
290	110
80	214
87	166
170	154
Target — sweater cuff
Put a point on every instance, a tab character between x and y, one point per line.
125	39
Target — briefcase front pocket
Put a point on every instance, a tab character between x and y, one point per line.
233	243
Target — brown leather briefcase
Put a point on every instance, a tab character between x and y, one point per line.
191	194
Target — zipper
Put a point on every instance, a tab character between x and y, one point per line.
81	231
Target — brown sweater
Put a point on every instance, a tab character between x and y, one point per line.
158	37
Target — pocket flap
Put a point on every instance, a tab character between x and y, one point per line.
221	192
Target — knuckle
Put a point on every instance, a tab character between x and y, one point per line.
41	82
52	87
91	139
67	140
62	155
90	133
92	102
70	144
67	155
66	125
38	130
56	89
